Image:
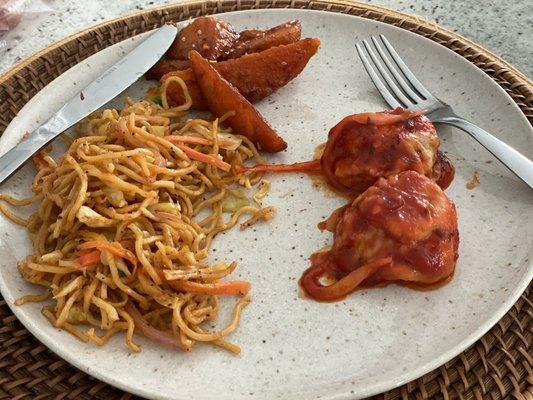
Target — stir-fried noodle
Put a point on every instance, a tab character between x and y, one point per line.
125	220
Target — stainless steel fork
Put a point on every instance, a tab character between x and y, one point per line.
400	88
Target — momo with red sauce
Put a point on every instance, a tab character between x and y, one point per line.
364	147
401	229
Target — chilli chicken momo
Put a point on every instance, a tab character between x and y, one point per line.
124	219
403	228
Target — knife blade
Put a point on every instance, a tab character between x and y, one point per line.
104	88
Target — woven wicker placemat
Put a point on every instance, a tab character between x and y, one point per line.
498	366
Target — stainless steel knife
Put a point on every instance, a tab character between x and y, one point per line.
104	88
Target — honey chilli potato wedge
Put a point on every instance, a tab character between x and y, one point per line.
255	75
254	41
217	40
221	97
165	66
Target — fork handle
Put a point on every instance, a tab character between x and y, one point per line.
511	158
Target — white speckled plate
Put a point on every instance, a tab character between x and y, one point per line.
294	348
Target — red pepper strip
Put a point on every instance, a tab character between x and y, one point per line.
306	166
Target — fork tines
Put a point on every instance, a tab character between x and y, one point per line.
391	76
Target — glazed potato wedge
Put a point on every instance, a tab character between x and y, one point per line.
175	93
255	75
212	37
221	98
255	41
216	40
165	66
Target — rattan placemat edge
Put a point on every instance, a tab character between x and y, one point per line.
380	9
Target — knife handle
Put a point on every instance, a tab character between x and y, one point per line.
15	158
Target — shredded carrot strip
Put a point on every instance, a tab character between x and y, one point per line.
205	158
194	140
306	166
222	288
114	248
87	259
